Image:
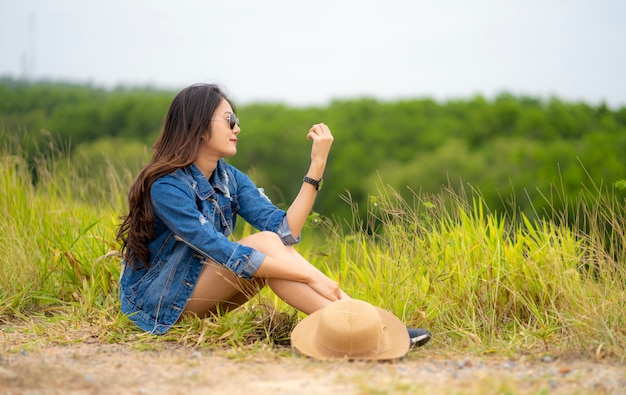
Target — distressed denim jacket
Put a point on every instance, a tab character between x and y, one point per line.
192	221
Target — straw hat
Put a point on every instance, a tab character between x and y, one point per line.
352	329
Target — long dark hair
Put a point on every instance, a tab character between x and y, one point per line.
178	144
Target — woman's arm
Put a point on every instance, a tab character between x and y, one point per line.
295	271
303	203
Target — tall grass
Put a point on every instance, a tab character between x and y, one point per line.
481	279
445	262
56	236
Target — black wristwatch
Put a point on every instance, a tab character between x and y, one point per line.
316	183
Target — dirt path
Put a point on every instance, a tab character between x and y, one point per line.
97	368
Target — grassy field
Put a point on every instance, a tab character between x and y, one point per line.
480	281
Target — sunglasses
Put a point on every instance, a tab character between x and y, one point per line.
232	120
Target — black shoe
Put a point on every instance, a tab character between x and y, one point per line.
418	336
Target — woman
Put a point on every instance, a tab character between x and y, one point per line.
178	258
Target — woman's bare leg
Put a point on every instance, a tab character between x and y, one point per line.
219	289
297	294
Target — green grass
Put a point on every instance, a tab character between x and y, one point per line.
481	281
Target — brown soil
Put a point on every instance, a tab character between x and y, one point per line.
92	367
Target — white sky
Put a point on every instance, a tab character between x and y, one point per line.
311	51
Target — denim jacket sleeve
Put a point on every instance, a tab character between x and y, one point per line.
257	209
174	203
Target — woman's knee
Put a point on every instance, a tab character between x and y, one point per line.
263	241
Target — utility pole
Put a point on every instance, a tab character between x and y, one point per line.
28	57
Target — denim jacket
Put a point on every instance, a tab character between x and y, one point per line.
193	218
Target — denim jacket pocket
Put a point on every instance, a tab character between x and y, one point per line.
226	216
142	288
220	213
210	215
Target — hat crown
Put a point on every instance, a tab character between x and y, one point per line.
349	328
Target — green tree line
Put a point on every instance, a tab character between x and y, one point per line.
517	152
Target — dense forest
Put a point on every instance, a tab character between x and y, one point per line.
516	152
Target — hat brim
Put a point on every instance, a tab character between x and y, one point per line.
395	341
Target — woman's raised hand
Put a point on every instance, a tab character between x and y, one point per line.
322	141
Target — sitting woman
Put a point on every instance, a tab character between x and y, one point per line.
178	258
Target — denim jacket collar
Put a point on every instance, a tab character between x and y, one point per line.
204	188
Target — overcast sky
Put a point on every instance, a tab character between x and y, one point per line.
311	51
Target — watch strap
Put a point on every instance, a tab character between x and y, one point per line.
312	181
